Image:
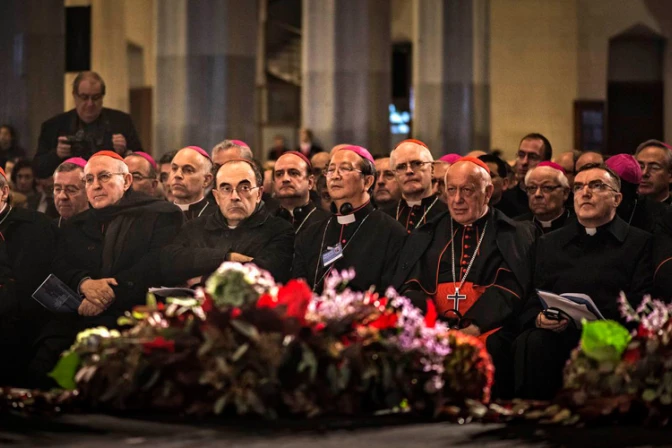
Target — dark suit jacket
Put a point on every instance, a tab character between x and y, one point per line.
67	123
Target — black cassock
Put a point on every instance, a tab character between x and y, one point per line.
370	244
414	216
545	227
617	258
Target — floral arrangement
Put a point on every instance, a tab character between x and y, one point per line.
617	372
245	345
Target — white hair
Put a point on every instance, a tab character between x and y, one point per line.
425	153
486	179
559	175
225	145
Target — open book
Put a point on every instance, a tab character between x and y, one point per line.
56	296
577	306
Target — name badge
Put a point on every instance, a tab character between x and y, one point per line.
332	254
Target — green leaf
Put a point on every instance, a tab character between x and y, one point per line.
151	300
246	329
604	340
649	395
308	361
220	404
240	352
65	370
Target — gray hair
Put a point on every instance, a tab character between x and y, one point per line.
559	176
225	145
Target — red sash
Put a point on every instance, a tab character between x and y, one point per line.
444	304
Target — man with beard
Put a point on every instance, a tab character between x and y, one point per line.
655	159
548	189
533	149
69	190
27	247
413	165
293	183
599	255
356	235
190	177
241	229
109	255
387	191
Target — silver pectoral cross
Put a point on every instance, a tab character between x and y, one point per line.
456	298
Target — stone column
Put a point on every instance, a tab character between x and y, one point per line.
205	73
346	72
32	63
449	58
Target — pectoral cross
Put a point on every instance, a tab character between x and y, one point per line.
456	298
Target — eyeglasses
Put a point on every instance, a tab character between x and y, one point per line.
415	166
94	98
387	175
103	178
593	186
546	189
243	190
344	169
139	177
466	192
69	190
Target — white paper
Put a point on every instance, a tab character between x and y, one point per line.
577	306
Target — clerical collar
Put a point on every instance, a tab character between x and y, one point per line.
185	207
549	224
357	215
414	203
616	227
591	231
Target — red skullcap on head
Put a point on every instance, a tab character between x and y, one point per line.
301	156
76	161
199	150
627	168
106	153
240	143
412	140
553	165
360	151
450	158
147	157
475	161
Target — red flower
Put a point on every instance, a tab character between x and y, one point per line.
207	304
235	312
631	356
643	332
430	315
295	295
319	327
159	342
384	321
267	301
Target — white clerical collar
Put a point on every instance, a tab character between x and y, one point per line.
231	227
185	207
546	224
414	203
591	231
346	219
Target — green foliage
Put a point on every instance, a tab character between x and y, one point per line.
64	372
604	340
231	289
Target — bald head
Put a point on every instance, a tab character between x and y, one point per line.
468	191
320	161
588	157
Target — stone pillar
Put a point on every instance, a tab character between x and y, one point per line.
205	73
346	72
32	63
449	58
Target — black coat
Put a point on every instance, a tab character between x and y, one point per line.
514	202
122	241
27	249
205	242
111	122
515	241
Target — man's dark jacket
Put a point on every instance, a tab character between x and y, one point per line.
121	241
515	241
205	242
65	124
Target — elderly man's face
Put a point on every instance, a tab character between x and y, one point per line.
386	188
105	181
566	161
413	169
438	180
290	178
530	154
189	176
468	192
346	181
140	168
655	172
70	193
237	192
89	100
595	197
545	193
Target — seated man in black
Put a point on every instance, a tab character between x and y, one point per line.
547	188
109	253
355	235
600	255
87	128
27	248
241	229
